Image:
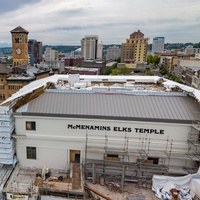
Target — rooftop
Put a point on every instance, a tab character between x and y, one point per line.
98	83
5	70
82	69
174	108
19	29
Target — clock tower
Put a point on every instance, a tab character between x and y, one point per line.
20	46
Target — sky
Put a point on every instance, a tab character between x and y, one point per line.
66	22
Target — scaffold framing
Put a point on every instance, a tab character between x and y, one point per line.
137	159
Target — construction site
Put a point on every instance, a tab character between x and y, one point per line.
100	142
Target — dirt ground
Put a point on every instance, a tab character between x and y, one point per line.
128	189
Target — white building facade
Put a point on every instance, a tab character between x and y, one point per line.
49	54
56	141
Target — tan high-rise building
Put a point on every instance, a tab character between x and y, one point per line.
135	48
20	46
89	47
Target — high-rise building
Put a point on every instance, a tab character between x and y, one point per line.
100	51
20	46
35	48
158	44
89	47
113	53
49	54
135	48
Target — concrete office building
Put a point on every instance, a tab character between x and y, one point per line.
135	48
100	51
113	53
127	127
158	44
89	47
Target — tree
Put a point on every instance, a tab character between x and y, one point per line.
163	70
118	60
153	60
121	71
149	59
108	70
197	45
150	72
156	60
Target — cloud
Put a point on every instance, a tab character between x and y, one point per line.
67	21
10	5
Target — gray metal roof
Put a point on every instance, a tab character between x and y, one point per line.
177	109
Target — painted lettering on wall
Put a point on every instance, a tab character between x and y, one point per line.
151	131
89	127
116	129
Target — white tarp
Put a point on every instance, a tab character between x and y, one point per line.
163	184
195	188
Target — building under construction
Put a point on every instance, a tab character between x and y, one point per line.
118	129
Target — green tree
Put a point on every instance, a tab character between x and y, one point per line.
121	71
155	60
197	45
108	70
149	59
149	72
118	60
115	72
163	70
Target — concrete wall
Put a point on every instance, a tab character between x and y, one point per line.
55	137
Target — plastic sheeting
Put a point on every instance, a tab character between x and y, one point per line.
195	188
7	145
184	184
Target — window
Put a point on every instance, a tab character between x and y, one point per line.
30	126
31	153
154	160
112	155
2	96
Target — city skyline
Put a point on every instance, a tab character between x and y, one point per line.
67	22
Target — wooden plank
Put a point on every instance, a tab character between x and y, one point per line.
96	192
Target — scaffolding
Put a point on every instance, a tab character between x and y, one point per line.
194	146
136	159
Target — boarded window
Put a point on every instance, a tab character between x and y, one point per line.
112	157
154	160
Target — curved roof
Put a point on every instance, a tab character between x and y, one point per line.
114	106
79	49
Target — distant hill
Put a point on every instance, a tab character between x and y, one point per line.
68	49
62	48
6	50
5	45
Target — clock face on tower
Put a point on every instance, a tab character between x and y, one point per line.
18	51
